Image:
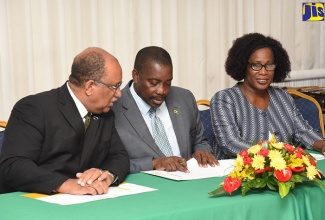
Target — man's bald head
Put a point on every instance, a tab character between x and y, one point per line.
89	64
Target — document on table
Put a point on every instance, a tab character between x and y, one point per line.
318	156
123	189
196	172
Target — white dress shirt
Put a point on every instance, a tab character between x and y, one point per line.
163	114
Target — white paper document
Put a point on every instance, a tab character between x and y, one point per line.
318	156
123	189
196	172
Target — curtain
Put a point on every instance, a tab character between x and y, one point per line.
39	39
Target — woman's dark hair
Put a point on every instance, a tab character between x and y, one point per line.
242	49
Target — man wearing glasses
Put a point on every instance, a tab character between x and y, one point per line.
64	140
159	124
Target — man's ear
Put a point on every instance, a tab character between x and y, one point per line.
89	87
135	76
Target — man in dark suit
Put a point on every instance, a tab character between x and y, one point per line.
151	91
48	149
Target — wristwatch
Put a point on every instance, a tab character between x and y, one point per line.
113	176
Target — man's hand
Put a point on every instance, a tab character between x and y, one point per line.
170	164
92	182
71	186
204	158
93	174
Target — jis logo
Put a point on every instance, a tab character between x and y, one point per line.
313	11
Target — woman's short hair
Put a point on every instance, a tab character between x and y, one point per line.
242	49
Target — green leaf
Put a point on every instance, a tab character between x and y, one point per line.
265	145
271	186
320	183
259	183
218	192
297	178
245	188
272	180
283	189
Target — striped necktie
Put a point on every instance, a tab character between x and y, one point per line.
159	133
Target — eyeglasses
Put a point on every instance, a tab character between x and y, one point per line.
110	86
258	66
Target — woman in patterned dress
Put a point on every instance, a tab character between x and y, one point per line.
252	109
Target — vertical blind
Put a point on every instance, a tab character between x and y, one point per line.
39	39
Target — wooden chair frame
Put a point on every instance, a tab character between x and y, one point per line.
320	114
3	124
203	102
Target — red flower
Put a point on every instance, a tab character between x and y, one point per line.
266	169
283	175
248	160
298	154
289	147
231	184
301	150
313	162
297	169
244	153
264	152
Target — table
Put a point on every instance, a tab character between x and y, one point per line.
177	200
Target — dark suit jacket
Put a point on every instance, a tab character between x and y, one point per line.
45	144
137	138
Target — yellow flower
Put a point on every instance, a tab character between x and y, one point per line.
278	146
293	161
255	149
274	154
306	160
246	173
311	172
239	163
278	163
273	139
258	162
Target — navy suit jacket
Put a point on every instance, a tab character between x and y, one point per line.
45	144
137	138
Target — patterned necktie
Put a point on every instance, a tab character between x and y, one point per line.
159	133
87	120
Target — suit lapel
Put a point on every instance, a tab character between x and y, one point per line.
135	118
72	115
69	110
177	117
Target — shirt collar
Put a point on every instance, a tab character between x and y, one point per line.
81	108
142	105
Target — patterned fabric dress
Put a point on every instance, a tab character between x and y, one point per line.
237	124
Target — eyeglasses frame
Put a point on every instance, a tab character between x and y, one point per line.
109	85
265	66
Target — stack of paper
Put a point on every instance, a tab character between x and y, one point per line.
196	172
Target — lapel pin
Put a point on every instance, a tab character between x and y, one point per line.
176	111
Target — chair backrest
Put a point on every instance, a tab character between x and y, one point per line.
3	124
206	120
309	109
2	133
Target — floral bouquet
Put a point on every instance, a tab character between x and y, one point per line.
271	164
